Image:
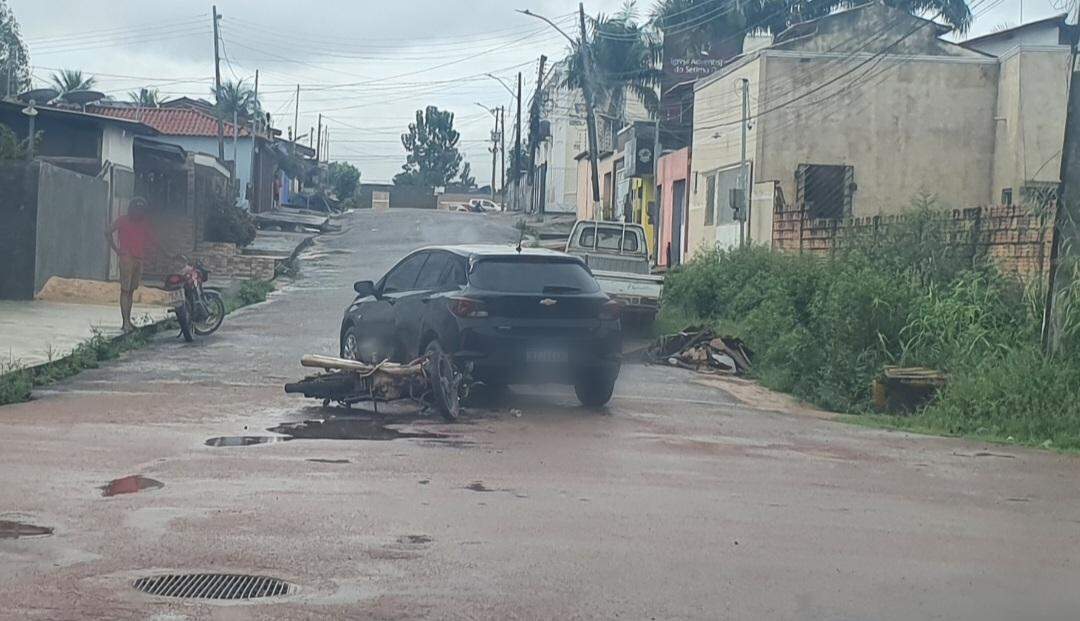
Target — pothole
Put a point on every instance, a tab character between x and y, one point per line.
212	586
244	440
129	485
14	530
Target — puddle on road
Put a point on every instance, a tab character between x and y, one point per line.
350	429
14	530
129	485
244	440
328	461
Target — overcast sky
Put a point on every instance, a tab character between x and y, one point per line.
366	65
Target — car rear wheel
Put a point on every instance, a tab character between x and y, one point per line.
595	389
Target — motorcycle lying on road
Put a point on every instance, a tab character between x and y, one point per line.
198	310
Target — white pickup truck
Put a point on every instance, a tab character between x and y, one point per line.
619	259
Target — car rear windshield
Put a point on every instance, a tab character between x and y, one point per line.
521	275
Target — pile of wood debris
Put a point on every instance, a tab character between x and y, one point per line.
701	350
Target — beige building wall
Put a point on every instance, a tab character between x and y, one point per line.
913	124
1030	118
922	124
718	145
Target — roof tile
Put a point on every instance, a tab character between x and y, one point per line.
171	121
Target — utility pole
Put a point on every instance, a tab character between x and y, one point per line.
534	142
296	120
233	172
590	121
318	142
502	151
494	153
744	169
253	193
217	88
1066	232
517	148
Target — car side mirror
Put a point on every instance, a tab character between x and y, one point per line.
365	288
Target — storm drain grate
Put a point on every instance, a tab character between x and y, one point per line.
212	586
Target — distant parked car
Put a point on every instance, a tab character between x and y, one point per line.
505	316
485	204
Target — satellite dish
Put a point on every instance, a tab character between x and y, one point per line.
82	97
40	95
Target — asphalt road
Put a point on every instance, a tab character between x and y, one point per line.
678	501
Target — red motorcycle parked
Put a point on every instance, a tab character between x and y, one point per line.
198	310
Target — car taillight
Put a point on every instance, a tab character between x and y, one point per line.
466	307
610	310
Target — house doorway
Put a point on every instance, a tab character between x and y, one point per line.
678	203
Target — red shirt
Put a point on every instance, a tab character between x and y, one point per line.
134	236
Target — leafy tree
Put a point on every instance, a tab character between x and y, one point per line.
343	178
236	97
623	58
11	148
433	157
14	58
68	80
523	163
466	181
721	22
146	97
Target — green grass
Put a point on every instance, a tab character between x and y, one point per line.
822	328
250	292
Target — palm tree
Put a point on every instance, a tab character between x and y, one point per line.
146	97
67	80
236	97
624	58
704	23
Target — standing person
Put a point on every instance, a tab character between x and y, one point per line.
134	239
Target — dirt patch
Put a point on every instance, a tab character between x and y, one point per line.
754	395
83	291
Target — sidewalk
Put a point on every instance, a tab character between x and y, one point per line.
33	332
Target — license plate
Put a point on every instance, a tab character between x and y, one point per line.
546	354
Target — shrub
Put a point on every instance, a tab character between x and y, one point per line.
232	224
1021	394
15	384
824	327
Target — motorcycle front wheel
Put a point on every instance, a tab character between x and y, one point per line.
213	312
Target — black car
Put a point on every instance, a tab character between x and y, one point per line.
505	315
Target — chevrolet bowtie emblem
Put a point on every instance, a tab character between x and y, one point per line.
548	302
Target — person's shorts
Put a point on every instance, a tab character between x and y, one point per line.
130	273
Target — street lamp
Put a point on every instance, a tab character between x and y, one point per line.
586	88
504	85
31	112
550	23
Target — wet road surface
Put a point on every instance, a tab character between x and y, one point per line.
677	501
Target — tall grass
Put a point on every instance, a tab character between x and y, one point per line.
824	327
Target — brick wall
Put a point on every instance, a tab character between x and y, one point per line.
1016	238
224	260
